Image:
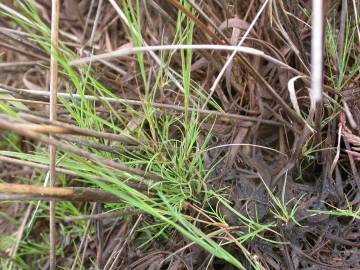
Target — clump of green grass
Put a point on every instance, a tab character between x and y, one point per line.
348	211
281	209
174	151
341	71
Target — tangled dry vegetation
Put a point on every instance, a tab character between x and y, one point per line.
178	135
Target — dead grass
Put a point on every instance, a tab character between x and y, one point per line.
182	134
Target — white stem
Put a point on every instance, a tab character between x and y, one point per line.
128	51
229	60
317	51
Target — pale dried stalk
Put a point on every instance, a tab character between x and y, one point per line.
76	194
317	52
129	51
55	15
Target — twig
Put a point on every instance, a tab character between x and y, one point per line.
35	165
94	145
72	129
105	215
19	235
16	66
96	21
38	94
65	171
24	52
76	194
55	16
44	128
84	240
24	100
8	125
341	39
119	249
87	21
235	49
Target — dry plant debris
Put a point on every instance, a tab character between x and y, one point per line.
179	134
